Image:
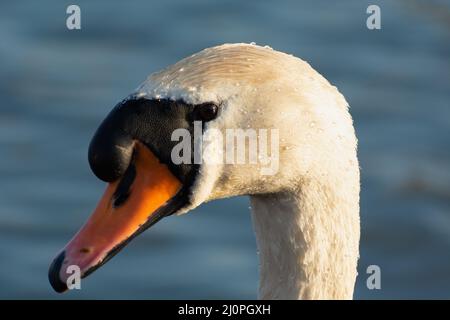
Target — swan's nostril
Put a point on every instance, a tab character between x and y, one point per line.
54	271
85	250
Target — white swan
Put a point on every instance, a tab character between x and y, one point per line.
306	216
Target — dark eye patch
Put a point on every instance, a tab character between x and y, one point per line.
151	122
205	111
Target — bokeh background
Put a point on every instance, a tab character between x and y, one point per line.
57	85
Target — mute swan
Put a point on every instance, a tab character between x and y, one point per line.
305	216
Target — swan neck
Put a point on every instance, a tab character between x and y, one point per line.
308	241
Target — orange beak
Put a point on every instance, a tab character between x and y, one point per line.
127	207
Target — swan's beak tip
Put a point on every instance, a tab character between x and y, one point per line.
54	274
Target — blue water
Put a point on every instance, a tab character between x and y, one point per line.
57	85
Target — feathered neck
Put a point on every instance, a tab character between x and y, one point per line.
308	239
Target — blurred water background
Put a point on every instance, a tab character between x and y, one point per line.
57	85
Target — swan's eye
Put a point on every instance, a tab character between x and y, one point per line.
206	111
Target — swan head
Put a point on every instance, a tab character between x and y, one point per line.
174	143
